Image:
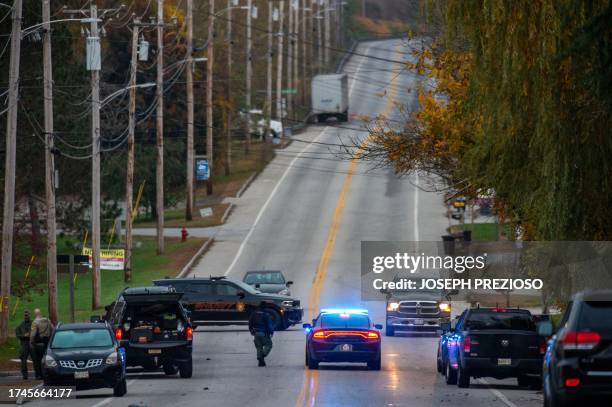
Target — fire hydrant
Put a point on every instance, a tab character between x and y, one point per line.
184	234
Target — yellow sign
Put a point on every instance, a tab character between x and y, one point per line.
113	259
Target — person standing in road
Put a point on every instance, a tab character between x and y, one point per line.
39	339
22	332
262	329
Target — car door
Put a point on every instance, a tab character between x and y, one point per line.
198	299
230	305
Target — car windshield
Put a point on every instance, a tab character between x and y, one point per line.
355	321
264	277
595	316
500	320
82	338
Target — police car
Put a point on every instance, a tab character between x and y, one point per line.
343	335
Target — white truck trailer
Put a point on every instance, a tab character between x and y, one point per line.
330	97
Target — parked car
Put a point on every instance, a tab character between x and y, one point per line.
492	342
343	335
224	301
268	281
578	361
154	328
86	356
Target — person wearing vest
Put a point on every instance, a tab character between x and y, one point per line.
262	329
39	339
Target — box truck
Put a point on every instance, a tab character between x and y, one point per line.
330	97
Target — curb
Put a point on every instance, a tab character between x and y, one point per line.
244	186
196	256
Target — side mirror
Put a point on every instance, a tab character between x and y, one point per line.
257	286
240	295
96	318
307	326
378	326
289	283
545	328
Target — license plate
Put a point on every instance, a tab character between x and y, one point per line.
346	347
81	375
418	321
154	351
504	362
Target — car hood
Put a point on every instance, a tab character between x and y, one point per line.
274	297
81	353
271	288
416	296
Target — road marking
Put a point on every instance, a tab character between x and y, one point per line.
109	399
265	205
497	393
310	383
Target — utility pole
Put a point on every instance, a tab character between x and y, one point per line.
49	164
279	64
363	8
9	172
95	159
296	53
290	39
209	95
268	110
327	34
319	39
159	140
129	182
304	46
228	124
337	8
190	114
249	73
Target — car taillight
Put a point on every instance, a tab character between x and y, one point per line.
467	344
572	382
581	340
118	334
189	333
319	335
542	345
323	334
373	335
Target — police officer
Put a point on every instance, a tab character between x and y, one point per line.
39	339
262	329
22	332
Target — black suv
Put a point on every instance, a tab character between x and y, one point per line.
154	328
222	301
578	359
86	356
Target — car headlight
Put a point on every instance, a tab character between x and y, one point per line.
444	307
112	358
284	292
287	303
49	361
392	306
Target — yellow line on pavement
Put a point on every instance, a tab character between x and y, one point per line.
310	384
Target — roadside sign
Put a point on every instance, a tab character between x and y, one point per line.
202	169
113	259
289	91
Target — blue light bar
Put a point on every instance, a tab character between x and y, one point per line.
344	311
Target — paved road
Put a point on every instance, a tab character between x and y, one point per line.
306	214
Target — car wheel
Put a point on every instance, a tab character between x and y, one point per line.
550	400
186	369
389	331
277	321
120	388
170	369
439	362
535	383
375	364
312	363
463	378
450	375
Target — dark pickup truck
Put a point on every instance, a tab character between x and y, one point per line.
492	342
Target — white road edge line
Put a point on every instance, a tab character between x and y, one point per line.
265	205
109	399
280	181
498	394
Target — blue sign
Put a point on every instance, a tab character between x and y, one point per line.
202	170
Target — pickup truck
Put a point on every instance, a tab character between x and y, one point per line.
417	311
492	342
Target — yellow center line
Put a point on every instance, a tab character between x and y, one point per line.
310	383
